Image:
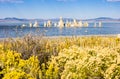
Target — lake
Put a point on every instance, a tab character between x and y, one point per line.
17	31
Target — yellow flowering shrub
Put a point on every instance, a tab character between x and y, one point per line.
17	75
61	58
13	67
88	63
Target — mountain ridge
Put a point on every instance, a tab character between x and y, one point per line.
12	19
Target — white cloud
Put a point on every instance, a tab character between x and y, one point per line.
11	1
113	0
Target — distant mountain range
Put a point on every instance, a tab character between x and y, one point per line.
104	19
14	19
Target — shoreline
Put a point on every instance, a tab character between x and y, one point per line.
108	35
111	35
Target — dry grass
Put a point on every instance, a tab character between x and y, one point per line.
45	47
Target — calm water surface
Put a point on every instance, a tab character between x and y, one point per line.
17	31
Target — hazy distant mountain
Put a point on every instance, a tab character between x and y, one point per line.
104	18
19	20
14	19
57	19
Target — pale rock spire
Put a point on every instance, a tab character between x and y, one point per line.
61	23
67	24
75	23
100	24
80	24
49	23
36	24
30	24
86	24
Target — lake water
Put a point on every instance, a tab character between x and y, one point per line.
17	31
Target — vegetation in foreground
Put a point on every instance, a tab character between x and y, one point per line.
62	58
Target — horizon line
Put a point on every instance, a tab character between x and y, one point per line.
62	17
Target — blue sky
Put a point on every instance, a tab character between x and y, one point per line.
79	9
